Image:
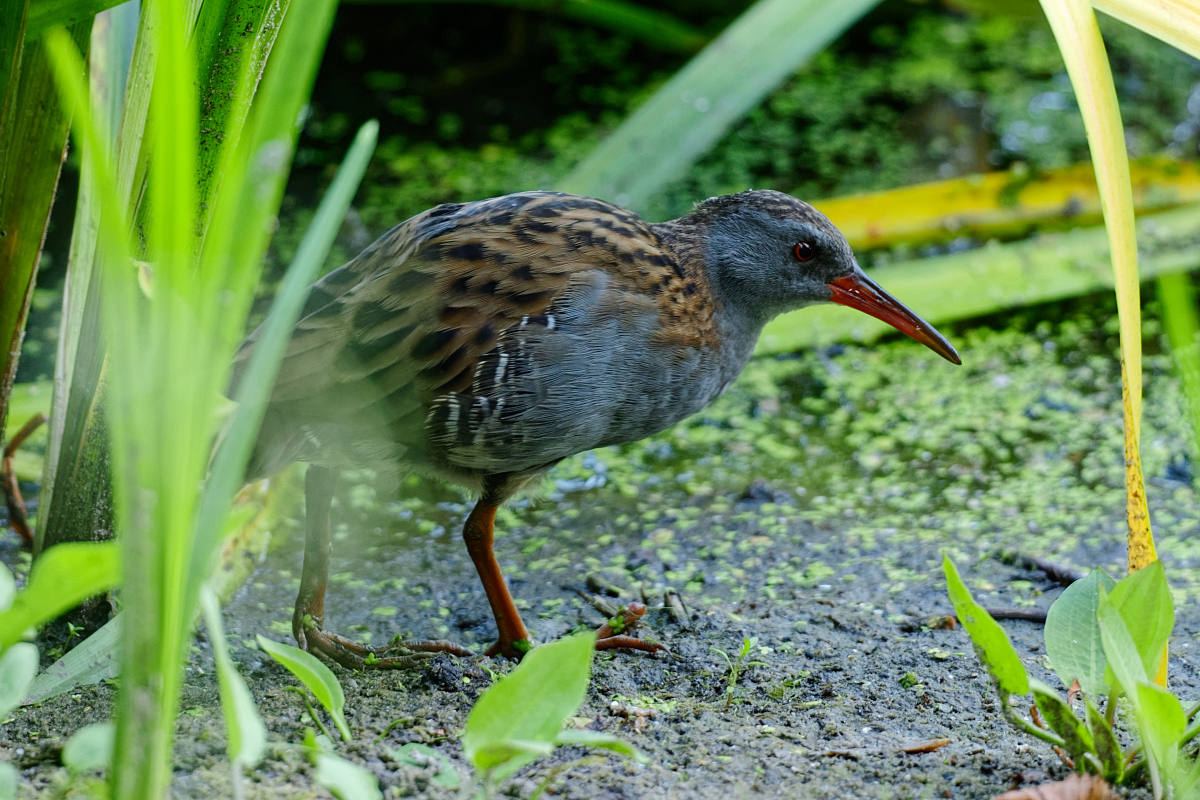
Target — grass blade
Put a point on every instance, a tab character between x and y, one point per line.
1074	25
254	385
319	679
246	731
684	118
1177	297
91	661
1176	22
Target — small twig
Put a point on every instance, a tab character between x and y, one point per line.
1059	573
312	712
1027	614
674	604
18	516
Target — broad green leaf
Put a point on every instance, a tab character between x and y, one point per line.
1119	648
63	577
91	661
692	110
18	666
1073	634
346	780
990	640
502	751
9	779
246	732
44	14
319	679
1107	748
89	748
422	755
1161	722
532	702
1061	719
1145	603
606	741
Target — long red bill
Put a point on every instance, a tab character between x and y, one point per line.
862	293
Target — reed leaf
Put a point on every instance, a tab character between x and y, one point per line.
686	117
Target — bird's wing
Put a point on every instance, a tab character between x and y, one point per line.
445	326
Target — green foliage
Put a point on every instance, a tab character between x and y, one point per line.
520	718
736	665
1072	636
64	576
990	640
419	755
1130	620
18	665
319	679
344	779
89	748
246	734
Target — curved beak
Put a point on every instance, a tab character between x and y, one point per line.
860	292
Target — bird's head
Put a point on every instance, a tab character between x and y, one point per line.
767	252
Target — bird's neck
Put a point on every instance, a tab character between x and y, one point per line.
685	239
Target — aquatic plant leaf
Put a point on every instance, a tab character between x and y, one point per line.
1161	723
1144	599
1119	648
1107	749
1062	720
1073	634
530	704
494	753
990	640
64	576
319	679
422	755
91	661
89	748
690	113
605	741
18	666
346	780
246	733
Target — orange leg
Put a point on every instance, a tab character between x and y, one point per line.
513	639
309	614
17	516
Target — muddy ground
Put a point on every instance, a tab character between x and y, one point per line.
809	509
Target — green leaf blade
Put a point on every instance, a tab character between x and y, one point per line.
1073	634
319	679
346	780
990	640
1062	720
1144	599
246	731
1119	648
605	741
18	668
89	748
532	702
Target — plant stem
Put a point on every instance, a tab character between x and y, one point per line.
312	712
1033	730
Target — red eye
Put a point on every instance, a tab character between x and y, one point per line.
804	251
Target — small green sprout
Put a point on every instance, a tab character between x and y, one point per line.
737	665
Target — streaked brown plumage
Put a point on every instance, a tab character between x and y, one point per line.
484	342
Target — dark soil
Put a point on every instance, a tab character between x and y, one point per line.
809	509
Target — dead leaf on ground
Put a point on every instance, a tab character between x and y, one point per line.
1076	787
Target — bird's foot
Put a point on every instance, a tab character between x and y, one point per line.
352	655
514	649
614	634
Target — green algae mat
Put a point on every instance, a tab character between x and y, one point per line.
807	510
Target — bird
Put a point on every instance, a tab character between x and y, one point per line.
483	342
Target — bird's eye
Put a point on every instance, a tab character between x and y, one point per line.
804	251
